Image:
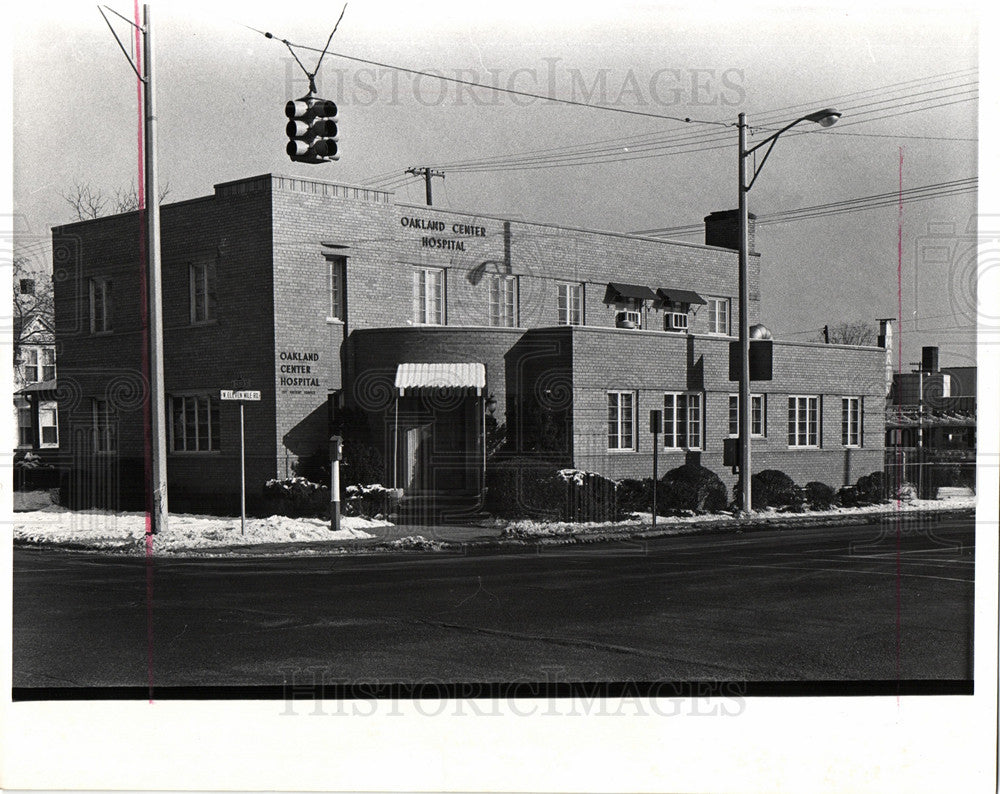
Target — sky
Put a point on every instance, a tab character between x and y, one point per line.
905	80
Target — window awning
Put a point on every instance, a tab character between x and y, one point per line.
617	292
441	376
680	296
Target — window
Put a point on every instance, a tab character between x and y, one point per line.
428	296
570	304
850	421
48	424
105	427
100	305
682	420
202	278
31	365
758	423
338	287
621	420
194	423
718	316
48	363
25	435
803	421
503	301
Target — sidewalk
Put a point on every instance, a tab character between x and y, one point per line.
213	536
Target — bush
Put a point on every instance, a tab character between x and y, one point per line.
635	496
820	496
870	489
370	501
32	473
297	497
533	488
588	496
690	487
523	488
773	488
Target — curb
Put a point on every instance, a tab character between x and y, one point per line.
604	535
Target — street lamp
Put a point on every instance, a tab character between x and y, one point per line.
825	118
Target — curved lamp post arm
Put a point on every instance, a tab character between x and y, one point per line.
825	118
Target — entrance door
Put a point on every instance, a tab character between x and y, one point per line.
417	456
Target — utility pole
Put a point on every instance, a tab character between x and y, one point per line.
426	173
154	407
151	214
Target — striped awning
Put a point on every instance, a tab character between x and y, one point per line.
439	375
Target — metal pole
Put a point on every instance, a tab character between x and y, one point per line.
656	460
335	494
158	430
243	476
744	331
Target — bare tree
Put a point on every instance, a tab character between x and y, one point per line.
89	202
855	332
32	298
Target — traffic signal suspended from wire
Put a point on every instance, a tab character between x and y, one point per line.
312	130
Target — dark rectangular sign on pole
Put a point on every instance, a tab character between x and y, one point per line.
761	360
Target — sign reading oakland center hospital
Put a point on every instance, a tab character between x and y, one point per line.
298	371
435	228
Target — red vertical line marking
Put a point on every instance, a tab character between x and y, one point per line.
144	342
899	524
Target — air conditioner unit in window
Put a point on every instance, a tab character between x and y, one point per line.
628	320
675	321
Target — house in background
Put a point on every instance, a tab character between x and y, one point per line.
35	402
930	426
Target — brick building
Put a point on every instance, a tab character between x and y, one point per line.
435	326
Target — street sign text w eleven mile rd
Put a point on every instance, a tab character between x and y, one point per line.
229	394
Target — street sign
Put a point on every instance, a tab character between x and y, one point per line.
229	394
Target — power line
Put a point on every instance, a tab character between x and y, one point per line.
588	153
920	193
661	150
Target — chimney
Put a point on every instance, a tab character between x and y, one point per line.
722	228
929	359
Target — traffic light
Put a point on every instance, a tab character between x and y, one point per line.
312	130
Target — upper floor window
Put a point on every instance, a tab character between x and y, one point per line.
194	423
803	421
758	424
30	360
428	296
202	289
718	315
682	424
570	304
338	287
850	421
621	420
48	363
503	301
100	305
105	426
48	424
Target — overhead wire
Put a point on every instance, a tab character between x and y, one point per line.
691	141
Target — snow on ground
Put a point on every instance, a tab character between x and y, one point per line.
126	532
640	521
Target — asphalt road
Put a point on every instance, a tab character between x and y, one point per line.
845	603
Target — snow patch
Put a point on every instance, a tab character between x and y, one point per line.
105	531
